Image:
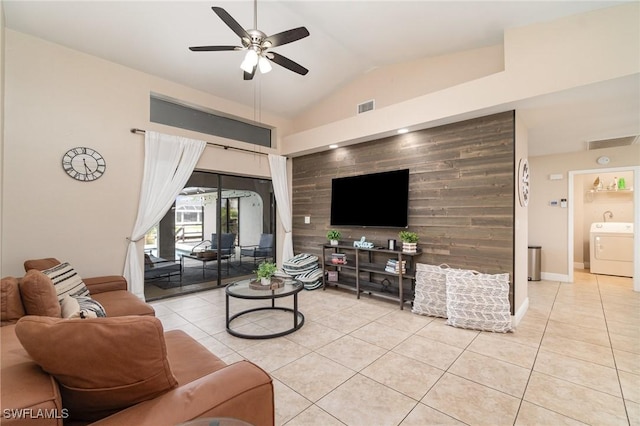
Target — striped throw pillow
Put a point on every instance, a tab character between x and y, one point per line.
66	281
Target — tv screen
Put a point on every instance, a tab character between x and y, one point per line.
376	199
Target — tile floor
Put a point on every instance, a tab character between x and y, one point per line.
574	359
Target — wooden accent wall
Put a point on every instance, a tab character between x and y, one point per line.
461	192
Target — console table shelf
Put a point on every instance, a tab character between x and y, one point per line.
365	272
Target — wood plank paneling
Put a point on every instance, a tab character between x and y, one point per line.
461	192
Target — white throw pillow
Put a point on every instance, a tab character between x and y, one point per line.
66	281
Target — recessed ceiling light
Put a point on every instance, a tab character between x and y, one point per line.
401	131
333	146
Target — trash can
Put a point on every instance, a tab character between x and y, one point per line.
533	263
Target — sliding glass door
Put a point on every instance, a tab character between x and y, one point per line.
219	229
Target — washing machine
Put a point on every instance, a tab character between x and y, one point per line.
611	248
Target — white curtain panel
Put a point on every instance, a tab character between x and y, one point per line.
168	164
278	165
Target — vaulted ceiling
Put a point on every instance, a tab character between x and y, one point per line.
348	38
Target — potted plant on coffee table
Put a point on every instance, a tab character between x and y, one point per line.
265	271
409	241
334	237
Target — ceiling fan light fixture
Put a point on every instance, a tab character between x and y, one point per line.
250	61
264	65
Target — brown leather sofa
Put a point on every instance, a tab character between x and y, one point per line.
51	367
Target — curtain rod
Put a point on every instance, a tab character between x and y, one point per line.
142	132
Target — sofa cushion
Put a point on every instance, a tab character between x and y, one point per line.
66	281
40	264
101	364
24	385
120	303
12	308
39	295
81	307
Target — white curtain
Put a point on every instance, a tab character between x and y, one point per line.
278	166
168	164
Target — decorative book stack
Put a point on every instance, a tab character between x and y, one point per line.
338	258
394	266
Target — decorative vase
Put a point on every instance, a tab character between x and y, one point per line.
265	281
409	247
333	242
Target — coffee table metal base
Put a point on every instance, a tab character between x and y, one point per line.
298	321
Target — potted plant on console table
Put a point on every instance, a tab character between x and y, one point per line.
334	236
409	241
265	271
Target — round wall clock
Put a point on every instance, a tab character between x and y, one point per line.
84	164
523	182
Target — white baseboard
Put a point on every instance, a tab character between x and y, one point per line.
554	277
522	310
579	265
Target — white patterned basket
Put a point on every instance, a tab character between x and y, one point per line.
430	291
478	301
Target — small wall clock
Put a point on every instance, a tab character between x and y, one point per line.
84	164
523	182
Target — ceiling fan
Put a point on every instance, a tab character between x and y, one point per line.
258	45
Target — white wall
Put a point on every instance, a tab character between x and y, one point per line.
56	99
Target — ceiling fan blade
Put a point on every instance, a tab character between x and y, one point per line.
249	75
288	63
231	23
213	48
287	36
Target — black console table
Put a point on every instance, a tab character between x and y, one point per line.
365	271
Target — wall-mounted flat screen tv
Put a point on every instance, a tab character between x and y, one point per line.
375	199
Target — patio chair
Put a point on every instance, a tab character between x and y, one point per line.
263	250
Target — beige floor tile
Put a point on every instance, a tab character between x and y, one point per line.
575	401
630	386
362	401
353	353
380	335
633	410
216	347
404	320
313	376
423	415
577	349
501	348
200	313
272	354
436	354
237	343
491	372
406	375
161	310
370	311
525	335
471	402
584	373
576	332
288	403
212	325
314	416
625	343
314	335
625	328
184	303
443	333
172	321
627	361
534	415
190	329
583	320
345	323
233	358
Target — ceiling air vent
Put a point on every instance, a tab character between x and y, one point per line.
366	106
612	143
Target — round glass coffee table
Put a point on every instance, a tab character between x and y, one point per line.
243	290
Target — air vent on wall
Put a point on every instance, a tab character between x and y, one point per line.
366	106
612	143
